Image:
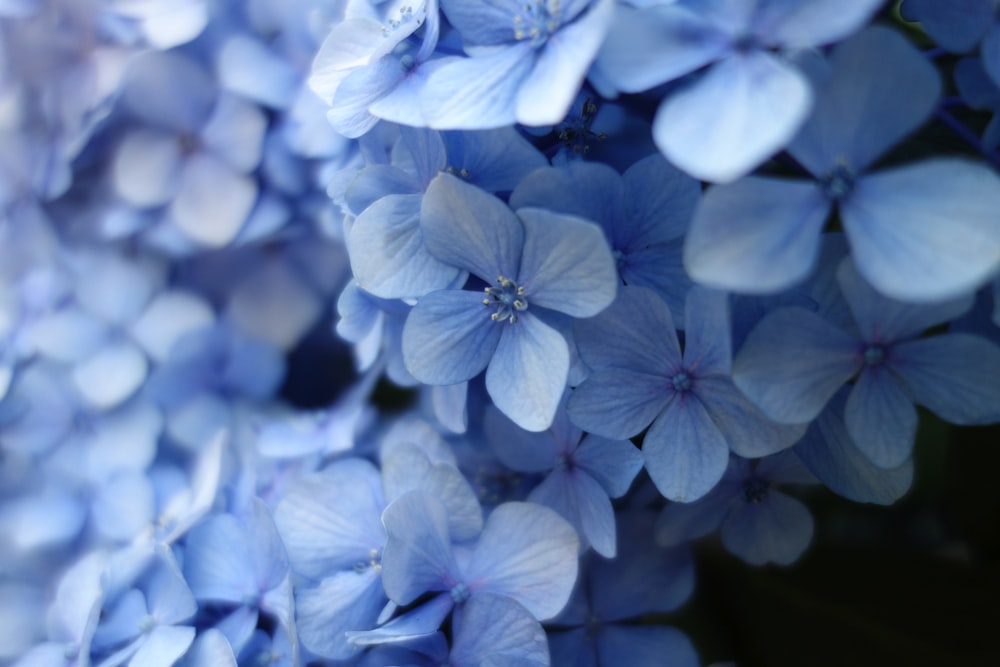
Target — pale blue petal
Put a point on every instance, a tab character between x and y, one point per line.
250	68
449	337
419	622
426	150
350	44
793	362
211	649
548	91
417	557
567	265
740	112
387	251
618	403
830	453
331	520
685	452
645	48
758	235
124	505
527	375
213	201
633	333
146	168
882	320
408	468
218	560
235	133
110	376
346	601
660	200
928	231
579	499
954	376
613	463
494	631
471	229
776	530
68	335
795	24
360	89
163	647
477	93
526	552
168	89
450	406
881	89
880	417
401	104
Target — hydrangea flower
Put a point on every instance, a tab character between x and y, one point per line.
533	262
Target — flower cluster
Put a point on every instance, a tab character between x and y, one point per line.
436	332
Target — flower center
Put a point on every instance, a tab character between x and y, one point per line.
682	382
535	21
874	355
507	298
460	593
838	183
374	562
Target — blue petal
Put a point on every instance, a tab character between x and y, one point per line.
880	90
408	468
495	160
499	632
471	229
882	320
419	622
590	190
163	646
793	362
331	520
957	25
146	167
566	264
111	375
169	90
830	453
748	432
685	452
388	254
680	523
880	418
250	68
529	553
646	646
548	91
740	112
527	374
776	530
707	340
618	403
647	47
580	500
990	50
519	450
211	649
795	24
954	376
449	337
213	201
360	89
613	463
477	93
346	601
928	231
758	235
235	132
633	333
417	557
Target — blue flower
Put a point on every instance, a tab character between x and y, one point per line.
527	62
640	378
921	232
794	361
532	262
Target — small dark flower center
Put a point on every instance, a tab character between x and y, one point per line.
755	490
838	183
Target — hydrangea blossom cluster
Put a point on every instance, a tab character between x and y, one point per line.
443	332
